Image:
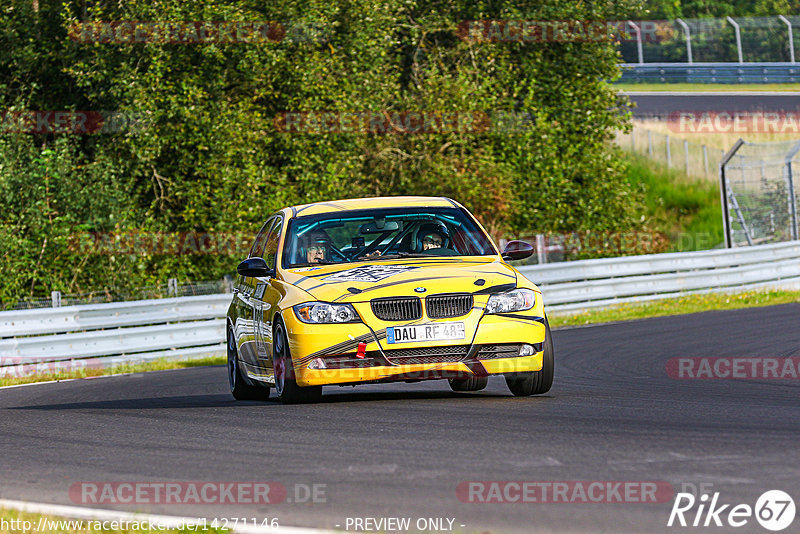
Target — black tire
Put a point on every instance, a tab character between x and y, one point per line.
240	389
535	382
285	385
473	383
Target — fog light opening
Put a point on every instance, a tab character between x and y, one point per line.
317	363
526	350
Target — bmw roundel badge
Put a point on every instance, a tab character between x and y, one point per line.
420	290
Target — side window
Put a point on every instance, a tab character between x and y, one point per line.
271	248
261	240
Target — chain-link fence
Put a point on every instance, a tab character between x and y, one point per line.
170	288
694	159
713	40
760	189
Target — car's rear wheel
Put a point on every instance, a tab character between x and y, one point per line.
473	383
535	382
240	389
285	384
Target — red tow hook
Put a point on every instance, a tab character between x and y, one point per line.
362	351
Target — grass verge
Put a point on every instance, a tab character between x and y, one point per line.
707	87
677	306
68	374
17	522
687	210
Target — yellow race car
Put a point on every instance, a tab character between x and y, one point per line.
383	290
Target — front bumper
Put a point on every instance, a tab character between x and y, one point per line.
414	372
491	349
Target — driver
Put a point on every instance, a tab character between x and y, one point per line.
315	246
432	235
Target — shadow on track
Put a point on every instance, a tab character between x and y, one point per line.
375	396
226	401
151	403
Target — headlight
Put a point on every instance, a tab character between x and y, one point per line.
511	301
322	312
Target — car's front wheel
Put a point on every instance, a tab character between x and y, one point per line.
285	384
240	389
473	383
535	382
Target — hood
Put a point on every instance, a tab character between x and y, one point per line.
363	281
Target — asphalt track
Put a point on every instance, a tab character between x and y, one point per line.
660	104
401	450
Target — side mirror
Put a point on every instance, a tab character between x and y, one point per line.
517	250
254	268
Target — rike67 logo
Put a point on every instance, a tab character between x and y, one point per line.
774	510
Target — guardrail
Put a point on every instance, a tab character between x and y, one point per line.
710	73
583	284
105	335
194	327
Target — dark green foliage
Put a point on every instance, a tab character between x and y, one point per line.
210	158
671	9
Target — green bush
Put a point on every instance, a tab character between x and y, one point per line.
210	158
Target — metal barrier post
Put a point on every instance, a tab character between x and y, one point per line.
650	143
738	38
792	202
638	41
688	39
790	185
669	155
55	298
723	191
541	252
791	37
705	159
686	154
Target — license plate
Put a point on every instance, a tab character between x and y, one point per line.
425	332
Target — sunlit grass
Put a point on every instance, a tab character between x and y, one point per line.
693	303
156	365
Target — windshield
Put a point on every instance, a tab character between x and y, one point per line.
383	234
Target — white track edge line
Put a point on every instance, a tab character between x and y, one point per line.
170	521
43	382
104	376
